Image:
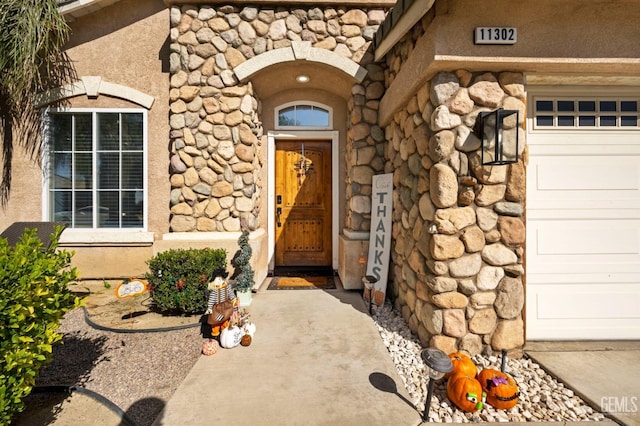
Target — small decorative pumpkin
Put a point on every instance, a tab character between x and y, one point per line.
246	340
248	330
462	364
502	390
230	337
465	392
210	346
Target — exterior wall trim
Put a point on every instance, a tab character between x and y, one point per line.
94	86
99	237
299	51
399	22
574	82
208	236
75	9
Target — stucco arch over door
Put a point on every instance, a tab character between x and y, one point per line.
300	51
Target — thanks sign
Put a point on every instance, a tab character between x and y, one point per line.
380	237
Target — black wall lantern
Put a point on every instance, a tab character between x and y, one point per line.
498	131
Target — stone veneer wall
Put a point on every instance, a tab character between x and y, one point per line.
458	226
216	130
365	148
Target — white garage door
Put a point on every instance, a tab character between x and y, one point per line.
583	216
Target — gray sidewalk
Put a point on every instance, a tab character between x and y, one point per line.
604	374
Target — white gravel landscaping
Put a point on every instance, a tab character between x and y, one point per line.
542	397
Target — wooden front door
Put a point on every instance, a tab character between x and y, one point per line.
303	203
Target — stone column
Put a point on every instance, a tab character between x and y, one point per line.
458	225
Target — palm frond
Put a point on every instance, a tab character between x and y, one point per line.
32	34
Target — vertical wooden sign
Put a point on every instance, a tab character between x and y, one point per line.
380	236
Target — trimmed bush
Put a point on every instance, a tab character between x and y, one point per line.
179	279
33	299
243	270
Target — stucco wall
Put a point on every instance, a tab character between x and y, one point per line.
128	43
546	28
568	38
25	200
127	49
106	44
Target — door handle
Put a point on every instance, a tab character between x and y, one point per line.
278	213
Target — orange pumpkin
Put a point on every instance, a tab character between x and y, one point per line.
462	364
502	390
465	392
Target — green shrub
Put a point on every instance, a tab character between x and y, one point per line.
179	278
33	299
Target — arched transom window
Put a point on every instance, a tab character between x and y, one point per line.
304	115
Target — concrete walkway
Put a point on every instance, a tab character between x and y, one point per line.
316	359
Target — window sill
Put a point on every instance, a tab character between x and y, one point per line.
116	236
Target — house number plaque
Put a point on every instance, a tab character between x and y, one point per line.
496	35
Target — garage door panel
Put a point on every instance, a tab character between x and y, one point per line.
589	211
573	265
583	312
621	329
614	173
600	237
572	183
582	246
562	277
589	302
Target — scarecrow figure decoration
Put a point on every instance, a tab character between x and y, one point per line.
222	304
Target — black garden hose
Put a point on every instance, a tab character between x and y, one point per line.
140	330
125	418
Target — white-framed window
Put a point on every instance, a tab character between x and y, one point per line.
95	168
586	113
304	115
